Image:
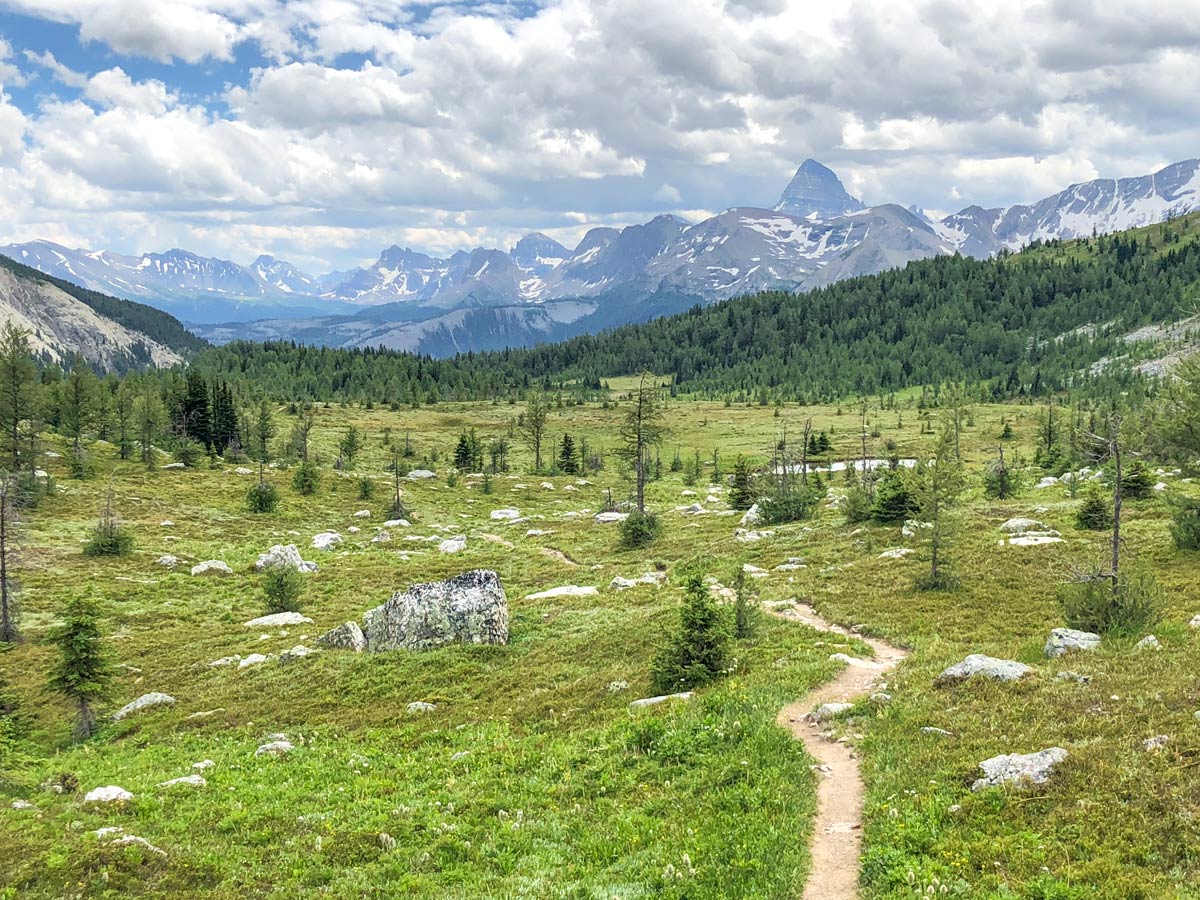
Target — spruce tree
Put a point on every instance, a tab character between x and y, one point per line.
19	390
83	671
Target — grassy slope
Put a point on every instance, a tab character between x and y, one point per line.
598	816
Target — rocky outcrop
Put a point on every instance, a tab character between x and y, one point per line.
468	609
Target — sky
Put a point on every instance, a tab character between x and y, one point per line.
321	131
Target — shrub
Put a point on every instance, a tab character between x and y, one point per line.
307	479
741	496
640	530
1136	483
189	453
366	488
1001	481
746	611
109	537
1095	513
856	507
1185	522
262	498
794	506
283	586
79	466
697	652
1092	603
894	501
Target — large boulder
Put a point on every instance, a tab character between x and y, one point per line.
1019	769
1064	640
979	666
468	609
285	556
146	701
753	516
347	636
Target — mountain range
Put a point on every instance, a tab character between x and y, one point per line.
540	290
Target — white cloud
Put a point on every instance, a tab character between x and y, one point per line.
472	124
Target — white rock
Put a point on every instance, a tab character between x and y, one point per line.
606	518
827	711
1020	769
694	510
212	567
623	584
254	659
418	474
1020	525
750	537
1195	622
175	465
655	701
420	707
1161	486
896	553
363	514
242	470
570	590
146	701
505	515
1155	743
397	523
547	486
285	556
978	665
354	529
537	532
275	748
108	794
1064	640
1149	642
326	540
453	545
753	516
204	765
279	620
166	523
1048	481
1034	540
297	652
384	537
167	561
189	780
22	804
225	661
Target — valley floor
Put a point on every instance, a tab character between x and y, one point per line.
533	778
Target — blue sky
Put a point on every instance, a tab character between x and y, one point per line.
324	130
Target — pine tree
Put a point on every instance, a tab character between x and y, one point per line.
149	417
568	461
741	496
77	406
937	482
18	397
698	651
195	412
533	426
350	445
123	403
83	671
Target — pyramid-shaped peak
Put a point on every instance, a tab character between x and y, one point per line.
815	192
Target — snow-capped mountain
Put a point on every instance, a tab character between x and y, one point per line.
1097	206
815	235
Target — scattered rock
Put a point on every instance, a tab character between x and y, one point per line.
242	470
279	620
275	748
569	590
363	514
22	805
750	537
1034	540
254	659
114	837
326	540
420	707
940	732
470	609
167	561
1155	743
505	515
606	518
1021	525
225	661
655	701
1195	622
1048	481
418	474
1073	676
285	556
896	553
108	794
827	711
146	701
1149	642
1064	640
753	516
212	567
694	510
453	545
204	765
297	652
617	687
547	486
460	755
189	780
384	537
347	636
174	465
623	584
1019	770
978	665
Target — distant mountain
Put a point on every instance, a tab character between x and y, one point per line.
1099	207
64	319
815	235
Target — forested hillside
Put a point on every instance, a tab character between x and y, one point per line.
155	324
1016	322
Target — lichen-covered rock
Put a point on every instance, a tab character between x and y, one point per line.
1022	525
297	652
254	659
1019	769
468	609
1064	640
347	636
418	474
326	540
285	556
505	515
453	545
607	518
1149	642
753	516
279	620
212	567
978	665
419	707
146	701
167	561
827	711
275	748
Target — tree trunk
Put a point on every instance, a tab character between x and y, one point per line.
1116	535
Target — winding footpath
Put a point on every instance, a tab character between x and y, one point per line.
837	831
